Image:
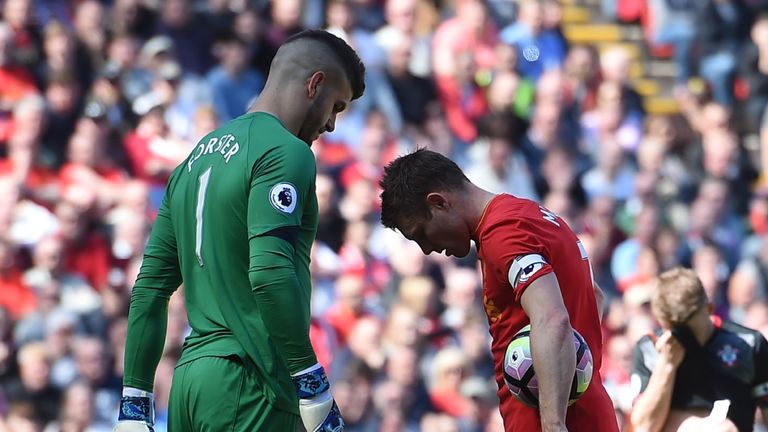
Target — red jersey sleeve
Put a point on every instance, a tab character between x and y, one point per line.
516	248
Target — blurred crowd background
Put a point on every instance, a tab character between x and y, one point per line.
547	100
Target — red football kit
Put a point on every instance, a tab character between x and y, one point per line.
519	240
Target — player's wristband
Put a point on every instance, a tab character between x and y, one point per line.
318	410
311	382
137	405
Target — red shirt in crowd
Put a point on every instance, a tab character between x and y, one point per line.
323	342
15	83
449	402
90	258
144	151
342	319
463	105
512	227
15	296
38	176
72	173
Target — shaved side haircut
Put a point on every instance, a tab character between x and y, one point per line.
312	50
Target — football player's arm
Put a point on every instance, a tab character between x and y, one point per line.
158	278
275	285
273	230
554	356
651	408
284	305
599	299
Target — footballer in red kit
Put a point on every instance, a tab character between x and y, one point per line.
535	271
518	240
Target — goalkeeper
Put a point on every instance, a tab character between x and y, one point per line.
235	227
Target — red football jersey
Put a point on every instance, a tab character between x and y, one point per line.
511	233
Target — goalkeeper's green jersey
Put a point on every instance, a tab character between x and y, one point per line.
242	204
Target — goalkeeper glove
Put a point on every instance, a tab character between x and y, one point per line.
137	412
318	410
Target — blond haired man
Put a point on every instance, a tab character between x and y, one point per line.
698	372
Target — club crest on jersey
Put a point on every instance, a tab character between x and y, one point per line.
283	197
493	312
728	355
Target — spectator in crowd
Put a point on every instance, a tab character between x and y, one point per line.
401	20
539	48
22	417
93	366
379	95
459	297
27	159
544	132
64	99
62	55
613	175
77	411
75	293
233	83
615	67
130	17
192	38
363	344
495	149
509	93
625	263
15	295
414	93
402	368
16	80
754	69
612	121
582	74
447	374
19	16
248	26
674	23
463	100
353	393
723	26
284	21
349	307
470	31
32	385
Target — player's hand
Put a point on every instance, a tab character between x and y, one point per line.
137	411
696	424
318	410
671	351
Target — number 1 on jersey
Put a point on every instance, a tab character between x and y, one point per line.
203	186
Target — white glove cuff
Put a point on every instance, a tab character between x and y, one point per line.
134	392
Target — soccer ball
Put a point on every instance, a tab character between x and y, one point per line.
521	379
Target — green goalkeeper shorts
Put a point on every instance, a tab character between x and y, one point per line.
218	394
